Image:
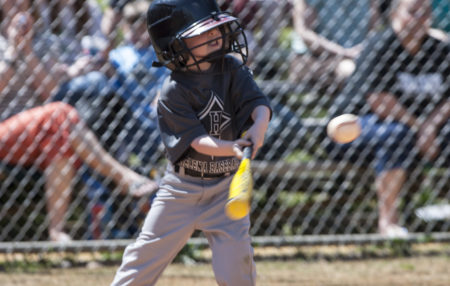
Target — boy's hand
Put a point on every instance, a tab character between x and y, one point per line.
238	147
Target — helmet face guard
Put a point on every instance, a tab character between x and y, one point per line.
232	36
170	22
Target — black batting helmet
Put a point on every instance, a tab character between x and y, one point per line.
171	21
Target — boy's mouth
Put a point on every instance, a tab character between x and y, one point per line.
214	43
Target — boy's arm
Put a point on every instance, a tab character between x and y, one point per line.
255	134
212	146
209	145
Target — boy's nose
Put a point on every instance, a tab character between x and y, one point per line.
214	32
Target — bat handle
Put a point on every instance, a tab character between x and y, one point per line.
248	151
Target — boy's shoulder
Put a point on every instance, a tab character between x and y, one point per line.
172	86
232	62
236	68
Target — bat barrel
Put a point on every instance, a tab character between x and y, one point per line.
237	208
238	204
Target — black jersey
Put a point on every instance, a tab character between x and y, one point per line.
420	82
218	102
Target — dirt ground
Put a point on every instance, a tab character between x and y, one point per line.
425	270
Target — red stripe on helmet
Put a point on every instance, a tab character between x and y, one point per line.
207	25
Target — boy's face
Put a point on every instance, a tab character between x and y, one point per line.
213	40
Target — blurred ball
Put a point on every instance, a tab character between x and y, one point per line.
344	128
345	68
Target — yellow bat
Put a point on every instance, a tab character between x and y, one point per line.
238	204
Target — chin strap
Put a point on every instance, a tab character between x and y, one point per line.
158	64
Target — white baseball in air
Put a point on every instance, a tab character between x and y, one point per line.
344	128
346	68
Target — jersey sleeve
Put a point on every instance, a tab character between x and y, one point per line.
246	97
177	121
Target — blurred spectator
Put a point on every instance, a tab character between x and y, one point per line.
69	32
119	101
50	137
111	20
128	78
401	90
263	23
327	38
72	29
8	9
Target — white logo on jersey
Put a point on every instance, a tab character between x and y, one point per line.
218	118
430	83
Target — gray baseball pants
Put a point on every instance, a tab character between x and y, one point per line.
182	205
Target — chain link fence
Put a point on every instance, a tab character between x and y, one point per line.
303	193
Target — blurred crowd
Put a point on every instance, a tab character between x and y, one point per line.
78	90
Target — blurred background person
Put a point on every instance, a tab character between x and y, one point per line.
49	137
69	31
400	89
327	38
111	20
129	80
263	23
118	101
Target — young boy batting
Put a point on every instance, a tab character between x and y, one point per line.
206	104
